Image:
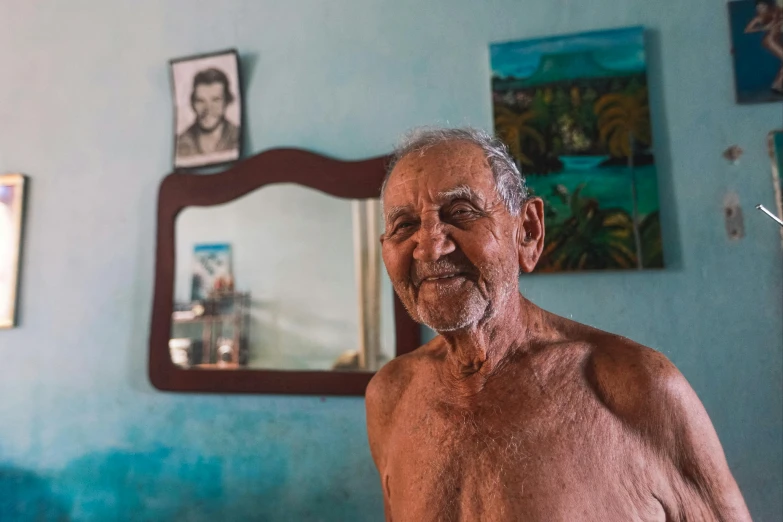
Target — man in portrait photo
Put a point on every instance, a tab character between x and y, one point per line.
211	132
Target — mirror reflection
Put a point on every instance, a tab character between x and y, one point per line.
285	278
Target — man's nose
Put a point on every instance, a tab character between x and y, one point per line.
432	243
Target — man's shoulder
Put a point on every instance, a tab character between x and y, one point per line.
612	360
639	385
397	374
389	383
385	391
232	130
186	142
230	138
650	396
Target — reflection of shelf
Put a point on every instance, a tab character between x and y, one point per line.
223	324
217	366
202	319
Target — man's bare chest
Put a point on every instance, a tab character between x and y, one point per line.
501	459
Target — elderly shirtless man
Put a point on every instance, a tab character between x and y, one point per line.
513	413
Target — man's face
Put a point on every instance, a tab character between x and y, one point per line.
449	245
209	102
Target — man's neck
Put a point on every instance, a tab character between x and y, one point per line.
475	352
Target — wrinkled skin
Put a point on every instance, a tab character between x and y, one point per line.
513	413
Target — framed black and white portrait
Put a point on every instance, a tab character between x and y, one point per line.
207	109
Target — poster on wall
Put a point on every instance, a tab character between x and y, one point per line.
12	187
574	113
775	141
207	109
757	46
211	271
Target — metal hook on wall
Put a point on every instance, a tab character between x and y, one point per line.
770	214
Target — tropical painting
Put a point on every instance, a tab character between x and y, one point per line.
211	271
574	112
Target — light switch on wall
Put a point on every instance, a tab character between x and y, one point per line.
732	213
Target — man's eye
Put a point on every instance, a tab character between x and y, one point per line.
461	211
403	226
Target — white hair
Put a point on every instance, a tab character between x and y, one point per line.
508	181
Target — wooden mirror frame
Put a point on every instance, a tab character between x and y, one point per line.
343	179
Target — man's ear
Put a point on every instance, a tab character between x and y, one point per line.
531	233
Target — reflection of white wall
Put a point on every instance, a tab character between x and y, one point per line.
292	248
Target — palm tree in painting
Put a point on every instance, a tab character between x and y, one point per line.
591	238
624	124
652	245
515	130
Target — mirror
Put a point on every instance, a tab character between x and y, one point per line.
269	279
284	278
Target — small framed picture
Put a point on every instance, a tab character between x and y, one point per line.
207	109
757	46
12	198
211	271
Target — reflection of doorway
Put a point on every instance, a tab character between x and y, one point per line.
11	200
6	257
367	261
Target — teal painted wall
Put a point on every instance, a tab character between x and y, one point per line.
86	112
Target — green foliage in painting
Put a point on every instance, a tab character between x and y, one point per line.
574	112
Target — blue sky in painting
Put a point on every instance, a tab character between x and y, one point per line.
617	49
216	248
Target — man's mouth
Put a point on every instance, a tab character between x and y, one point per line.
441	278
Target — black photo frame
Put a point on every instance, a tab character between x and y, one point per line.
199	85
